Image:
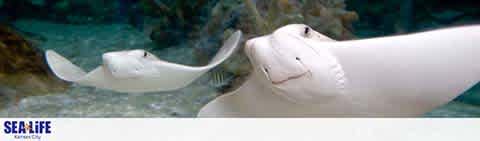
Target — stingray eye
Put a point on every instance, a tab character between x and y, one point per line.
306	31
145	54
297	58
265	69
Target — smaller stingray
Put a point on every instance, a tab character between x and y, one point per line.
137	70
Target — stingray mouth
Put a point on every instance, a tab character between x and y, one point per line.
282	76
278	82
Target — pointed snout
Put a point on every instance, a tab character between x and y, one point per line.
251	44
107	57
114	60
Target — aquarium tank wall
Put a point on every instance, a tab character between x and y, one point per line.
187	32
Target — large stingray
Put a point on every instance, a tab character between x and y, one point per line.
299	72
137	70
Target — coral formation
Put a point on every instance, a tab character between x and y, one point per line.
326	16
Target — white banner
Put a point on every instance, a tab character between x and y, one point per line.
301	129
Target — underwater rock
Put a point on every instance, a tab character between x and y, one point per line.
164	37
181	20
326	16
23	69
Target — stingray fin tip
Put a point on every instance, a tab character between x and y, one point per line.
63	68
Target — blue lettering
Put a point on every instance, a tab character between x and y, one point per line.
14	127
36	127
31	131
7	129
27	127
41	126
21	127
47	127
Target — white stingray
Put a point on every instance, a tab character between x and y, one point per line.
137	70
299	72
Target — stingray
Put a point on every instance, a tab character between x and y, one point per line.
137	71
299	72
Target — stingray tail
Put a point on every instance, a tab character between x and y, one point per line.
63	68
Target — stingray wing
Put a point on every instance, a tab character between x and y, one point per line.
66	70
412	73
63	68
228	48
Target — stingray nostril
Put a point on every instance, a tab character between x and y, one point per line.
145	54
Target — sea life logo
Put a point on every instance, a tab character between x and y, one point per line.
27	129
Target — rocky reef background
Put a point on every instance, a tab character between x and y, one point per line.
187	32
